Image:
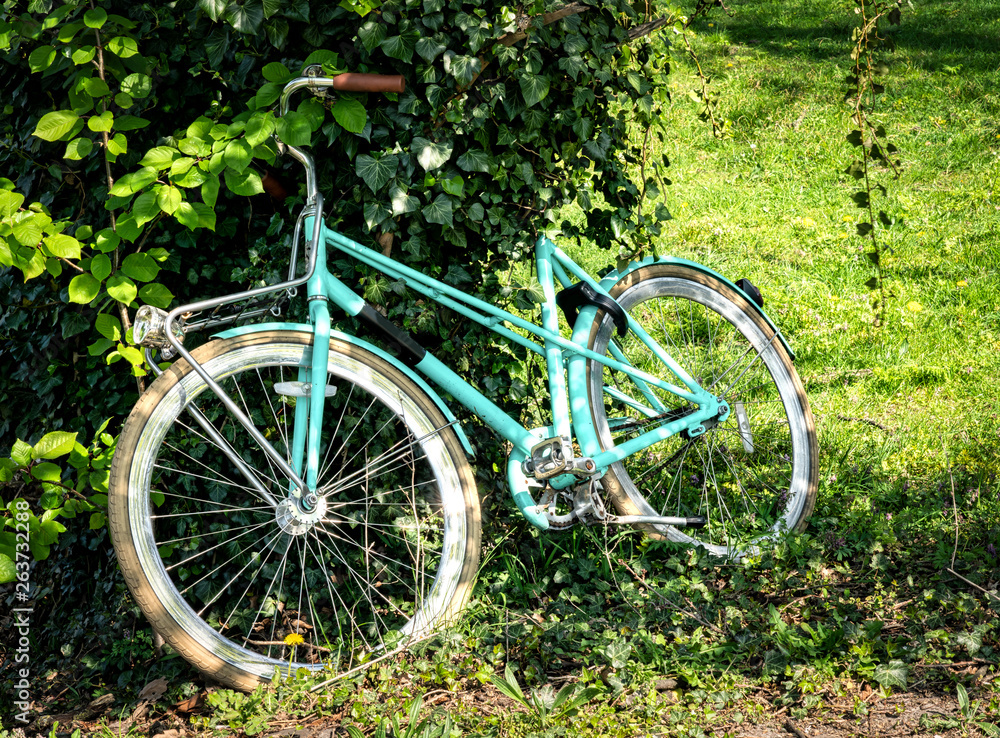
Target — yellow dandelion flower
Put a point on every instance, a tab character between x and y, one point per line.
961	283
914	307
808	222
294	639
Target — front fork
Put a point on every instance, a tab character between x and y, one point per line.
308	425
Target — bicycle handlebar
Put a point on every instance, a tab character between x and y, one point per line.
348	82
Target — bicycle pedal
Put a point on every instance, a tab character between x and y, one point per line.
300	389
549	458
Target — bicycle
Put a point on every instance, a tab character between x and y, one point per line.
271	511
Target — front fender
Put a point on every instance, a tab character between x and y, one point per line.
610	279
355	341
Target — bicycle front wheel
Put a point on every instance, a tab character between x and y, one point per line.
753	476
242	587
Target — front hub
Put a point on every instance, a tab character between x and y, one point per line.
294	519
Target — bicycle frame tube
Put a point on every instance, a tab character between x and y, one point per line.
552	265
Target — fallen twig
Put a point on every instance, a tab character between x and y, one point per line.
973	584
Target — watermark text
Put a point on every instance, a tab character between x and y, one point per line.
22	615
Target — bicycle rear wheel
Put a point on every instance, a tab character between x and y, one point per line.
753	476
237	585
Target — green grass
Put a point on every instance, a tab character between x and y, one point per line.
839	621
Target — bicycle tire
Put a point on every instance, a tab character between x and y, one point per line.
392	556
753	476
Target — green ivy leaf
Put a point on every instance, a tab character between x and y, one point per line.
402	201
399	47
350	114
83	55
100	266
130	123
213	8
430	155
246	18
53	445
95	17
146	208
210	190
78	148
372	33
63	246
375	213
294	129
160	157
117	144
168	198
123	47
41	58
276	72
534	87
454	186
156	295
55	125
109	326
238	155
476	161
246	183
428	48
439	211
46	472
140	267
121	288
464	69
187	215
376	172
259	128
893	674
83	288
137	85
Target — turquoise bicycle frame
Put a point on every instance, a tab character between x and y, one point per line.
566	361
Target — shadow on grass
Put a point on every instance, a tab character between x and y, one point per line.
943	34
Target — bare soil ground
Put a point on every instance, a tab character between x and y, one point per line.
864	713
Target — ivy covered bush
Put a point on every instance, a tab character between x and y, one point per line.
138	165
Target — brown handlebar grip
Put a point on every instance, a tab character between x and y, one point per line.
360	82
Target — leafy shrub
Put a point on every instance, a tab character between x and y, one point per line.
140	168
